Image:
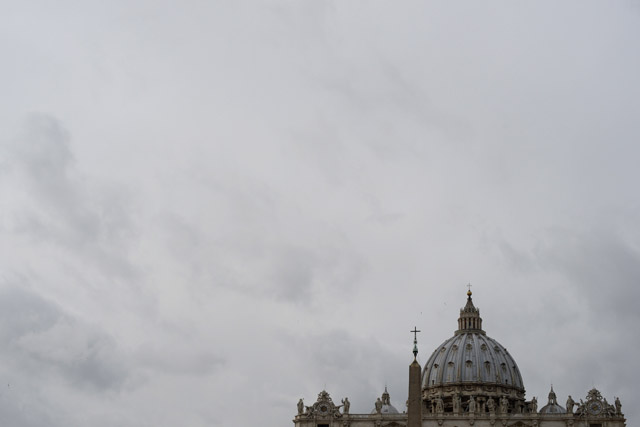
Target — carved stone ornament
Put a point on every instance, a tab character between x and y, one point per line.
594	394
324	407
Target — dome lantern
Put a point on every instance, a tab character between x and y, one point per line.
469	320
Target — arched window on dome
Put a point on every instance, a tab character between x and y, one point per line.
469	374
450	371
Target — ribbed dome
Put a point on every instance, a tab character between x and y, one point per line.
471	357
472	364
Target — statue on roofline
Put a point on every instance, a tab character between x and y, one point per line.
346	405
570	404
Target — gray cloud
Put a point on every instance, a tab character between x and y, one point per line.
40	336
178	356
603	266
59	207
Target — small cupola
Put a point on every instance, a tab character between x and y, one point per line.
552	407
384	406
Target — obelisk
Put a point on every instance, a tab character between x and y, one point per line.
414	410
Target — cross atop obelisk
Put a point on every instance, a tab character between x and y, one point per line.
415	333
415	341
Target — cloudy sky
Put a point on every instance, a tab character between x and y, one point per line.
209	210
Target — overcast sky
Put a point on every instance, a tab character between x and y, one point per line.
209	210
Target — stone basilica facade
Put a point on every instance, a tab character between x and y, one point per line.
469	380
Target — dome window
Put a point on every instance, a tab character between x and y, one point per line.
450	372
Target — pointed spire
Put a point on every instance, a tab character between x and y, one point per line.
469	320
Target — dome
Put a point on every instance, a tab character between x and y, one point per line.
472	364
385	404
552	407
471	358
